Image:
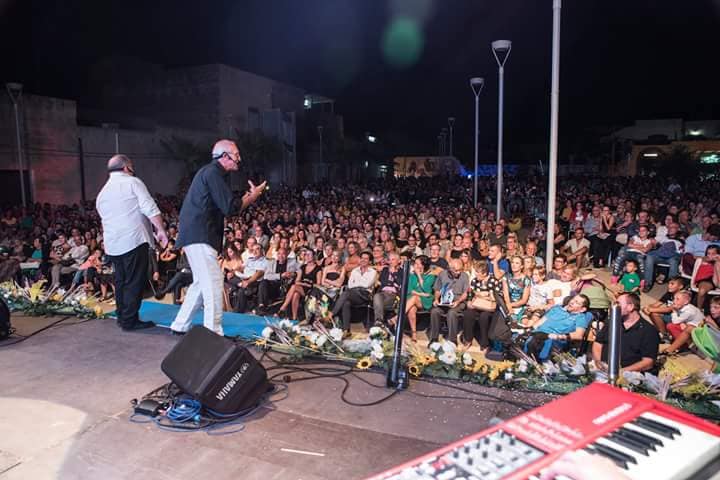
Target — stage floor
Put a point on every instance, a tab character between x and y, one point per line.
64	408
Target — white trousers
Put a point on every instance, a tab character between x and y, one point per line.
206	289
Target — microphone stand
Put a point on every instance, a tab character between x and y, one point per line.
614	338
397	376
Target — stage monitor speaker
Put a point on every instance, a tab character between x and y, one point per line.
217	372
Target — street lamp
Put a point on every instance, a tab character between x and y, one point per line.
476	83
451	122
554	114
15	92
501	51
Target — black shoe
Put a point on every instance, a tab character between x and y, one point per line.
177	333
138	326
160	295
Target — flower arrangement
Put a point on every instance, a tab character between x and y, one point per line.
36	300
562	374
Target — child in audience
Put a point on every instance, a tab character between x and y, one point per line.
659	312
684	318
630	280
541	298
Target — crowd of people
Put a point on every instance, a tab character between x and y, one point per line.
336	253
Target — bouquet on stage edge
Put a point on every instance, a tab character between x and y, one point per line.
36	300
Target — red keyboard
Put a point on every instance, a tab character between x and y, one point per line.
645	438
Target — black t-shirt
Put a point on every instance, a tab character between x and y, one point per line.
440	262
639	341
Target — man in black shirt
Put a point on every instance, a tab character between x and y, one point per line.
207	202
639	339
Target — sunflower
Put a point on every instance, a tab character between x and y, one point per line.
261	342
414	370
364	363
99	311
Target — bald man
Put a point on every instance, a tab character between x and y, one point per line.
207	202
125	206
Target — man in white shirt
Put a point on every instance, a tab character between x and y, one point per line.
360	285
125	205
247	278
576	249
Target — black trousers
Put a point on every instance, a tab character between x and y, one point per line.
352	296
480	318
268	292
130	277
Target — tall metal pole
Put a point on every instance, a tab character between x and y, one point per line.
501	95
476	83
554	111
475	171
451	123
502	47
15	92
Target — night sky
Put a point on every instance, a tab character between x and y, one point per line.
621	59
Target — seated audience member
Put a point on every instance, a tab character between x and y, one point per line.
531	250
639	339
279	271
388	288
451	291
360	285
247	253
481	305
85	274
637	247
559	237
379	260
713	318
659	312
559	263
420	292
560	289
683	319
182	278
561	324
576	249
513	246
540	300
70	262
630	280
670	247
455	249
498	234
307	276
497	265
412	247
528	265
696	245
325	293
168	259
437	263
707	277
353	257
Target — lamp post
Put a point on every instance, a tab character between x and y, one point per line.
554	110
501	51
476	83
320	131
15	92
451	123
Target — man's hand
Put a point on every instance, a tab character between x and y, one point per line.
255	190
161	237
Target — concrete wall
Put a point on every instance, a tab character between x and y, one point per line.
49	130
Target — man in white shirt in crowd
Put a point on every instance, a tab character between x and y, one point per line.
360	285
576	249
248	277
125	206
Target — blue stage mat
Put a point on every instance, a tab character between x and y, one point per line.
234	324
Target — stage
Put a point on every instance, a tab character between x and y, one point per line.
64	412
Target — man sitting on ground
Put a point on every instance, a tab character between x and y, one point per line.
576	249
639	339
561	324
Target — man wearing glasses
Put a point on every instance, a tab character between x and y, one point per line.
207	202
